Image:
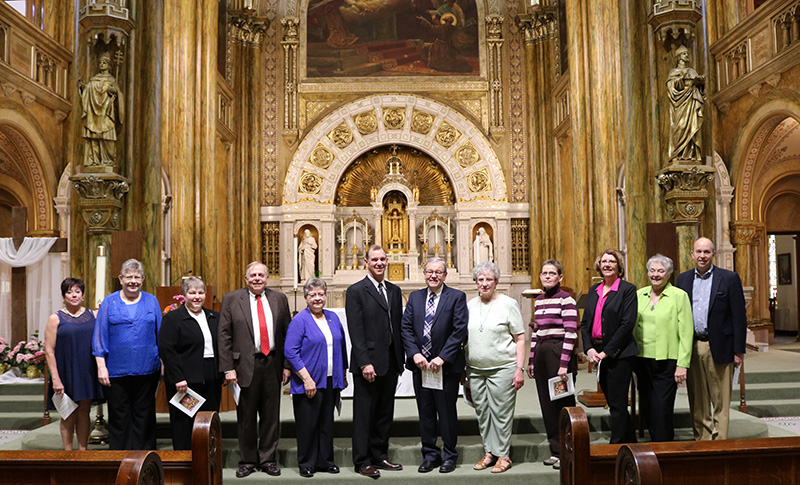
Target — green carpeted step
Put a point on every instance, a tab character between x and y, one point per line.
783	377
27	389
23	420
21	403
769	407
768	391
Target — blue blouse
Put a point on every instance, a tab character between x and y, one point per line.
128	340
306	347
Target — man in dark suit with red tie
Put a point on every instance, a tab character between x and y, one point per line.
374	309
252	331
434	328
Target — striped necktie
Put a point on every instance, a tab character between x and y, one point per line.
426	331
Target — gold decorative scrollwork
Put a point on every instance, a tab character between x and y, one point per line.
271	247
447	134
341	136
366	122
467	155
394	118
479	181
421	122
321	157
309	183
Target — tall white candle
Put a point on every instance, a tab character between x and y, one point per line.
448	228
296	262
342	232
435	235
425	232
100	277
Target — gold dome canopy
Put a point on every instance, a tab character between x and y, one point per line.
371	171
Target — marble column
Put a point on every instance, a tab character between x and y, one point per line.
746	236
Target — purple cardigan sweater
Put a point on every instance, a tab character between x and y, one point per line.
305	347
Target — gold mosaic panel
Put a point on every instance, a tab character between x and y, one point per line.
421	122
394	118
479	181
341	136
447	134
309	183
467	155
321	157
271	248
366	122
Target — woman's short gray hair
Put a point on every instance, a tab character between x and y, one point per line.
663	260
486	267
131	265
314	283
192	282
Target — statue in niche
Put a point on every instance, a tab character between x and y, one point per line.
307	253
103	108
482	247
686	91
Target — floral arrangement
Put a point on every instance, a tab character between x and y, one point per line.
5	350
173	306
27	354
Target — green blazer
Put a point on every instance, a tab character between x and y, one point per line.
667	331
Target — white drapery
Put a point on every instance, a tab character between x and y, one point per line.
43	279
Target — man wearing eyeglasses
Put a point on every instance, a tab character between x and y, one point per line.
434	328
720	331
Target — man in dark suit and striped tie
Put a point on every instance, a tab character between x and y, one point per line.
434	328
374	308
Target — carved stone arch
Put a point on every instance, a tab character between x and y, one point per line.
480	177
21	136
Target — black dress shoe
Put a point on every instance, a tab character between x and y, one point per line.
271	469
328	469
429	465
306	472
369	471
244	470
387	465
447	466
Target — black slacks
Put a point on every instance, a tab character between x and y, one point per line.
615	380
210	389
373	412
546	362
132	412
258	414
438	415
314	426
657	389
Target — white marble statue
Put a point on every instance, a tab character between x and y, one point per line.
307	252
482	247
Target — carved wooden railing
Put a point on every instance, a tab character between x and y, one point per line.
33	66
756	51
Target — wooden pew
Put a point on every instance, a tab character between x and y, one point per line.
200	466
740	461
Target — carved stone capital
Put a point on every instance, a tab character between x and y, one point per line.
686	188
538	26
746	232
247	27
673	18
100	199
290	33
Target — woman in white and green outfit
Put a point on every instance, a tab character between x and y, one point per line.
495	354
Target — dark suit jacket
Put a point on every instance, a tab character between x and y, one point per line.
727	317
237	346
181	345
618	320
369	326
447	334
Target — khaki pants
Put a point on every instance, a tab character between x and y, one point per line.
709	387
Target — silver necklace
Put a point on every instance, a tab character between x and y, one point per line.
486	315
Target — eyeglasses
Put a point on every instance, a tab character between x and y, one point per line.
608	261
431	272
549	273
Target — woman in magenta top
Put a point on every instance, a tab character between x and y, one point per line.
607	331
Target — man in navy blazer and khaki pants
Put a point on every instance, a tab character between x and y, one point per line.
434	328
720	331
374	308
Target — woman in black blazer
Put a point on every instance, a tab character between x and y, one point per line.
607	331
187	343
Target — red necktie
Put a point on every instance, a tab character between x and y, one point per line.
262	325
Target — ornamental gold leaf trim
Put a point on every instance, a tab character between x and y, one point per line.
479	181
321	157
394	118
366	122
467	155
421	122
341	136
447	135
310	183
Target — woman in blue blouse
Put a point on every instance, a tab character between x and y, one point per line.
316	350
125	345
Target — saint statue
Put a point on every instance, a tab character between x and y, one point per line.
307	252
686	91
482	247
103	108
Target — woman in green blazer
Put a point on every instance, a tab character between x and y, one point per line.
664	332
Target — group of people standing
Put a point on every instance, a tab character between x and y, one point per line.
658	332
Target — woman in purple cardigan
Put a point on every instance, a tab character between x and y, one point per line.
316	350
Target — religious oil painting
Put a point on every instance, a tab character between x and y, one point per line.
357	38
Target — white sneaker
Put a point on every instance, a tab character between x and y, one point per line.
551	461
